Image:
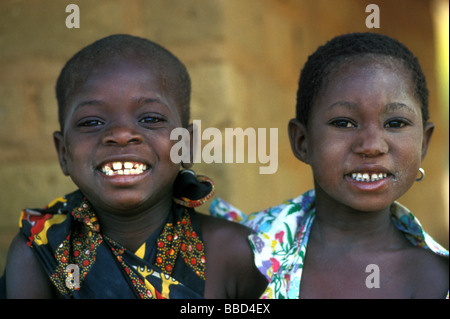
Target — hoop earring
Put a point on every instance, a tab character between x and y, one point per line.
422	175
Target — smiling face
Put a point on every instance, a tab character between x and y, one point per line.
115	145
365	137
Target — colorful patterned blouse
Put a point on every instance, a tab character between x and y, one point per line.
82	262
281	238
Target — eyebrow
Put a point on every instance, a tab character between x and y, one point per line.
145	100
138	100
90	102
348	105
394	106
390	107
87	103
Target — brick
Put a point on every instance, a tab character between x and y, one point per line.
38	27
187	21
210	94
29	185
28	121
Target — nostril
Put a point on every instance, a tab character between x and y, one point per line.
135	140
121	137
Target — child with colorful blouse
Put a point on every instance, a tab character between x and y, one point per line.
362	125
131	229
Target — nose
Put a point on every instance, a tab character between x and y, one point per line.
370	142
121	134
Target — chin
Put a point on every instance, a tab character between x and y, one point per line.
120	203
128	203
371	205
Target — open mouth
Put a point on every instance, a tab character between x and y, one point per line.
368	177
123	168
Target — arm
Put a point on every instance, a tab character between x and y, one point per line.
25	277
230	267
250	282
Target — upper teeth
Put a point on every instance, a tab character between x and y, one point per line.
123	168
366	177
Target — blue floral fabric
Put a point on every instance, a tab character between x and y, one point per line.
281	236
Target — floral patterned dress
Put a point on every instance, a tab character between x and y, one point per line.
281	238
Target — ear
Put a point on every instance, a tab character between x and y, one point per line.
427	133
298	139
58	139
190	129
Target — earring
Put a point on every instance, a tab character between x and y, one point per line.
422	175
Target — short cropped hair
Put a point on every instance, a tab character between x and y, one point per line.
169	68
320	63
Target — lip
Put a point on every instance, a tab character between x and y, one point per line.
370	168
375	186
370	186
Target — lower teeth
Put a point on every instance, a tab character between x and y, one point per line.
123	172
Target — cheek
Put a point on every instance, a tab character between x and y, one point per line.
78	153
327	159
324	151
161	146
408	159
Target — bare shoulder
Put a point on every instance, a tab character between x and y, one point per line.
231	271
432	272
226	237
25	277
214	228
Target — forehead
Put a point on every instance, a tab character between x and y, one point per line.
368	63
374	82
116	66
365	74
119	74
121	71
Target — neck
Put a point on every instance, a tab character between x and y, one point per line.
338	226
131	229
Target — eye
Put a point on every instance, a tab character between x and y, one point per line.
396	123
150	119
90	123
342	123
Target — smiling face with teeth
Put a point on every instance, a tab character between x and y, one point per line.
365	137
116	140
